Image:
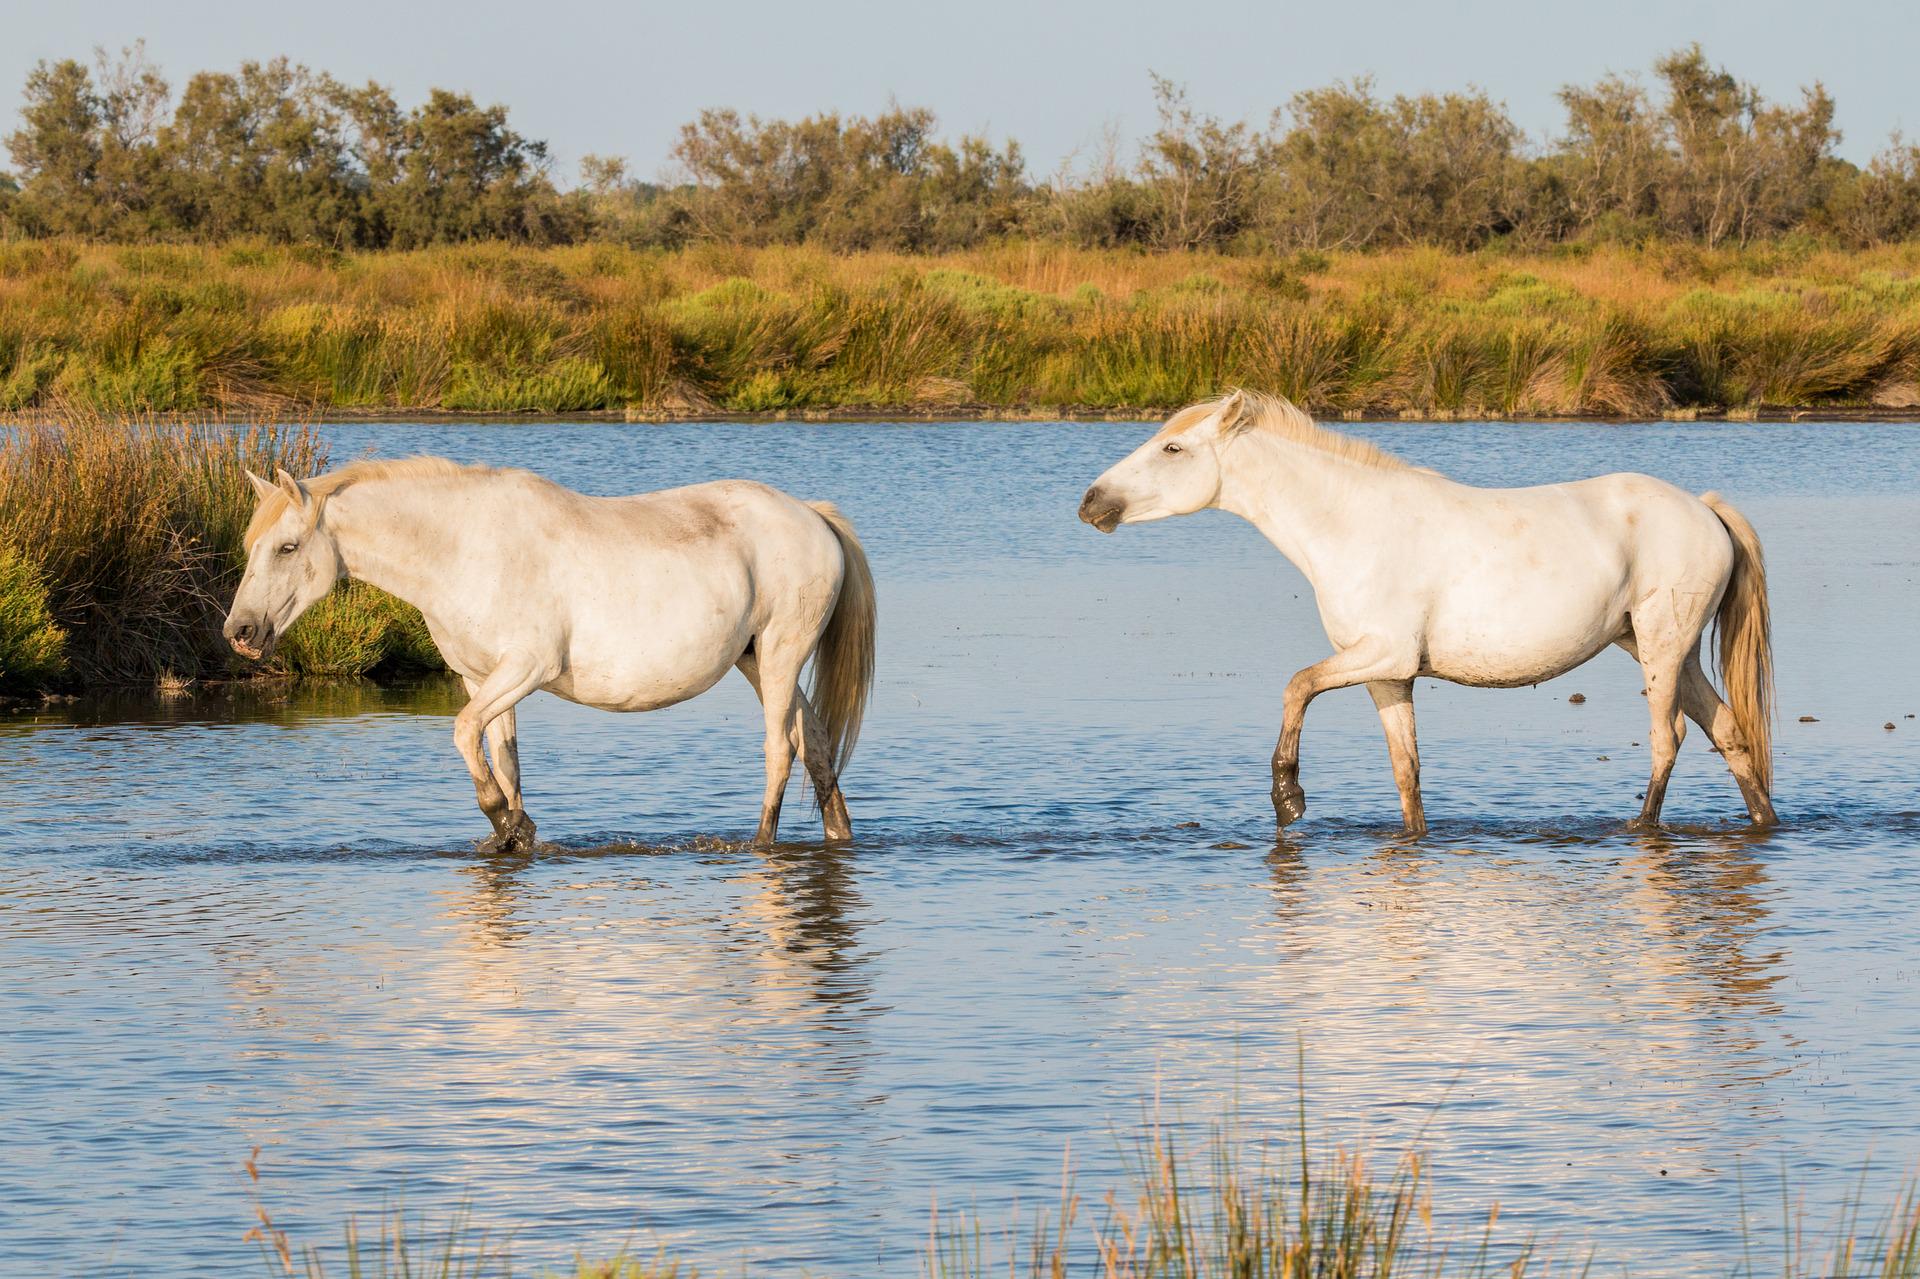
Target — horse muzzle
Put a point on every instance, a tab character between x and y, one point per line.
1100	510
252	640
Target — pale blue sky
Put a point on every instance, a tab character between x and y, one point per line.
618	78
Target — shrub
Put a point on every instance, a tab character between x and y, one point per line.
32	649
358	630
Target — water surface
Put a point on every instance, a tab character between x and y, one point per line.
256	918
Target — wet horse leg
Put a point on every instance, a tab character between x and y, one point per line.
776	678
498	693
1666	729
1394	700
808	737
503	750
1361	664
1715	718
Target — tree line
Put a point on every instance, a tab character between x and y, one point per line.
275	150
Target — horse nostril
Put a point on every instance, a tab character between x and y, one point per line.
243	632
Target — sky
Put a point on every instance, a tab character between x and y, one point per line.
613	78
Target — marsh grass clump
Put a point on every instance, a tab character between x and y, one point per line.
121	545
134	530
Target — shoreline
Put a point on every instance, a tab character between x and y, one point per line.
932	414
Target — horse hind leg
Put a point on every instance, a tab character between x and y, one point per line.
1715	719
774	671
1661	663
808	737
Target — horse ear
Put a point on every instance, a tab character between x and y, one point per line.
262	488
293	488
1233	412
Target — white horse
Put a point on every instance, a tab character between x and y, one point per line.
1416	575
625	603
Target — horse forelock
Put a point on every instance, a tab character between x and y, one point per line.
272	507
1188	418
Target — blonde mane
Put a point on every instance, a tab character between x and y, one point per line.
273	507
1276	416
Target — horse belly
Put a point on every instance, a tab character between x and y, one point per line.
648	674
661	641
1524	633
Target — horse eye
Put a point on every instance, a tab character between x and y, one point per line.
288	548
1171	448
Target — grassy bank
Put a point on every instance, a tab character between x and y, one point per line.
1020	328
120	547
1294	1209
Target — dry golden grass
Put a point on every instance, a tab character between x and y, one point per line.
1292	1209
1017	328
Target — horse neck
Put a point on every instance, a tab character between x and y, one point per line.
391	535
1306	501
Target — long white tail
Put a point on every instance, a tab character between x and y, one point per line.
843	664
1746	640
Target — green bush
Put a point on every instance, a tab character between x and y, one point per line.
33	651
358	630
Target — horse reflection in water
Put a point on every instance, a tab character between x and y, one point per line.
1451	954
787	940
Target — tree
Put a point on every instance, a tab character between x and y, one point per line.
85	145
1203	174
1351	171
264	153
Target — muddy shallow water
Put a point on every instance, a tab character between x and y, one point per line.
245	919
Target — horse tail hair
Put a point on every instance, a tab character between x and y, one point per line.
843	662
1745	629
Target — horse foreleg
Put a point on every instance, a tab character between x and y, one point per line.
503	749
492	698
1715	719
1394	700
1361	664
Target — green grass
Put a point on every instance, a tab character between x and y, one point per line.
257	330
33	651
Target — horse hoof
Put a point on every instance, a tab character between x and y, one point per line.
1289	804
518	836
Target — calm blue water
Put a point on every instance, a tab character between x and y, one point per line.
256	919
